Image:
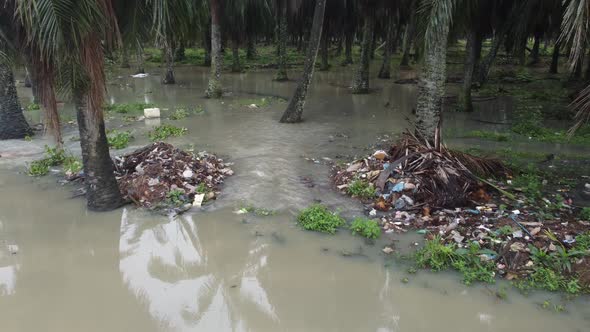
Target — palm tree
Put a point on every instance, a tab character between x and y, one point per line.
282	41
214	89
392	18
76	47
575	32
431	85
409	34
360	81
12	121
294	111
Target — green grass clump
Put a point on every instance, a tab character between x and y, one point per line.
366	228
361	189
162	132
436	255
530	183
583	242
439	256
489	135
318	218
585	214
72	165
126	108
119	139
33	107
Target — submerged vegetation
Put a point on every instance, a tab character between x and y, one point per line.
165	131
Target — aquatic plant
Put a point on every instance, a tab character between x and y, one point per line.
366	228
119	139
179	113
126	108
38	168
361	189
164	131
72	165
318	218
33	107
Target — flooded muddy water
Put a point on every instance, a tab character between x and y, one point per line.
65	269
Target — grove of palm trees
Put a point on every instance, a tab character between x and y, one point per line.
267	165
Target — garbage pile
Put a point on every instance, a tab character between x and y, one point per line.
160	176
414	174
449	195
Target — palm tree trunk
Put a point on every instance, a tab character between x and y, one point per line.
348	40
102	190
535	51
360	81
180	55
465	102
139	55
431	85
486	64
251	47
169	55
282	43
207	46
12	121
27	78
294	111
124	57
236	67
385	71
408	35
214	89
325	65
554	58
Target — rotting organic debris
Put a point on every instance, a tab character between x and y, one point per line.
442	193
160	176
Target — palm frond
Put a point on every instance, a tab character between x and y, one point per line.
575	28
582	105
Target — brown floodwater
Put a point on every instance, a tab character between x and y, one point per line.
68	270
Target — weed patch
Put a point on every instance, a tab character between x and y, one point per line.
367	228
119	139
361	189
162	132
318	218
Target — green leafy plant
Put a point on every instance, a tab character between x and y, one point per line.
530	183
585	214
583	242
361	189
55	155
162	132
33	107
179	113
318	218
38	168
469	262
366	228
72	165
127	108
176	197
119	139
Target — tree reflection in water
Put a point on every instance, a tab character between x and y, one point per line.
192	282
